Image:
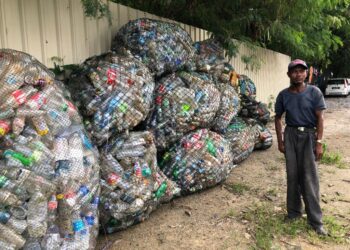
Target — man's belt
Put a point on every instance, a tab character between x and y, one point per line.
304	129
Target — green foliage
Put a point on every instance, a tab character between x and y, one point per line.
237	188
96	9
271	103
269	225
331	158
252	62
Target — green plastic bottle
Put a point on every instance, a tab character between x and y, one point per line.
161	190
24	160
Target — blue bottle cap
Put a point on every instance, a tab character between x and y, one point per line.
4	217
95	200
83	190
78	225
90	219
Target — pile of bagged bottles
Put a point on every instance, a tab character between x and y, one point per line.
49	171
132	183
159	97
201	159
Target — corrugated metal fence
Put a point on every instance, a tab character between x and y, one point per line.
58	28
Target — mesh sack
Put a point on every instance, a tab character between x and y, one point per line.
183	102
254	109
200	160
263	139
114	94
132	184
242	138
229	106
246	86
49	176
162	46
210	56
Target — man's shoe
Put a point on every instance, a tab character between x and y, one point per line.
321	231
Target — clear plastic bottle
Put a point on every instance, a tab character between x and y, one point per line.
14	187
76	155
18	97
40	125
32	182
32	244
9	236
9	199
37	215
52	239
17	225
6	246
36	101
18	124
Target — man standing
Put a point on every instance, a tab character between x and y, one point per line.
301	143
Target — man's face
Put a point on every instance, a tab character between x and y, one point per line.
297	75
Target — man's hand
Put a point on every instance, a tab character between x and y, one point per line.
281	147
319	151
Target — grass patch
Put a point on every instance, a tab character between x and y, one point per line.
231	214
332	158
272	168
272	192
268	225
237	188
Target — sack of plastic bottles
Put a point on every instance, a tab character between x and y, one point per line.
49	174
132	184
241	135
246	86
183	102
210	56
263	139
201	159
113	92
164	47
254	109
229	106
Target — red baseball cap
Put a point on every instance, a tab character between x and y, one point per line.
295	63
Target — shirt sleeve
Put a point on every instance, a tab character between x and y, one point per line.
279	108
319	102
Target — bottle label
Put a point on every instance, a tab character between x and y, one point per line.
19	96
37	100
52	205
4	127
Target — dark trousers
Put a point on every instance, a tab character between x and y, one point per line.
302	175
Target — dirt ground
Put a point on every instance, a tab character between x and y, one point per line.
212	219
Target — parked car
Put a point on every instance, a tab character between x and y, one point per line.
338	86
